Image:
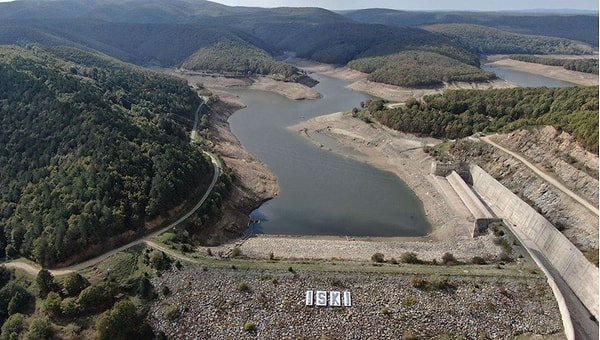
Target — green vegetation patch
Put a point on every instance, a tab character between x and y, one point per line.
92	149
587	65
340	43
461	113
488	40
418	69
238	58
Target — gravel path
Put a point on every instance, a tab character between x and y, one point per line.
363	249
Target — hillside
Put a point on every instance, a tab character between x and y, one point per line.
207	36
461	113
580	27
91	149
236	57
143	44
559	155
418	69
487	40
339	43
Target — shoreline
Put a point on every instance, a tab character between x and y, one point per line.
554	72
358	82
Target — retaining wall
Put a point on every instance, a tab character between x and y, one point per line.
445	169
574	268
471	201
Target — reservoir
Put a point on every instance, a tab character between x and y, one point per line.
525	79
321	193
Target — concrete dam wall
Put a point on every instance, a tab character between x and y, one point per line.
574	268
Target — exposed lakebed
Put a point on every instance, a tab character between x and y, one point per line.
321	193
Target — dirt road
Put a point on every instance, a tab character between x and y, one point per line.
33	269
551	180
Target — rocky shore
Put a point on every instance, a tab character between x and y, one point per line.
236	304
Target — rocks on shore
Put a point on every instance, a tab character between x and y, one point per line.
237	304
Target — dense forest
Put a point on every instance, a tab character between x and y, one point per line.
166	44
487	40
574	26
340	43
236	57
587	65
461	113
208	36
90	148
418	69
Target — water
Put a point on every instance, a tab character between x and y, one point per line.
525	79
321	193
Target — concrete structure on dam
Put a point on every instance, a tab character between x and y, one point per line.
569	262
561	261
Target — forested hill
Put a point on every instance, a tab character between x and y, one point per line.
165	44
89	149
208	36
237	57
586	65
580	27
419	69
487	40
461	113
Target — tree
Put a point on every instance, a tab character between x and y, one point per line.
159	260
74	283
13	326
374	105
69	307
122	322
448	258
45	282
14	298
19	302
6	275
11	251
409	257
145	290
377	257
39	329
52	305
95	297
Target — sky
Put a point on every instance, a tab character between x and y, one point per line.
428	5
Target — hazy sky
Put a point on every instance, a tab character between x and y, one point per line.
475	5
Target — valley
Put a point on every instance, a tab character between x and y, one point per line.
323	145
